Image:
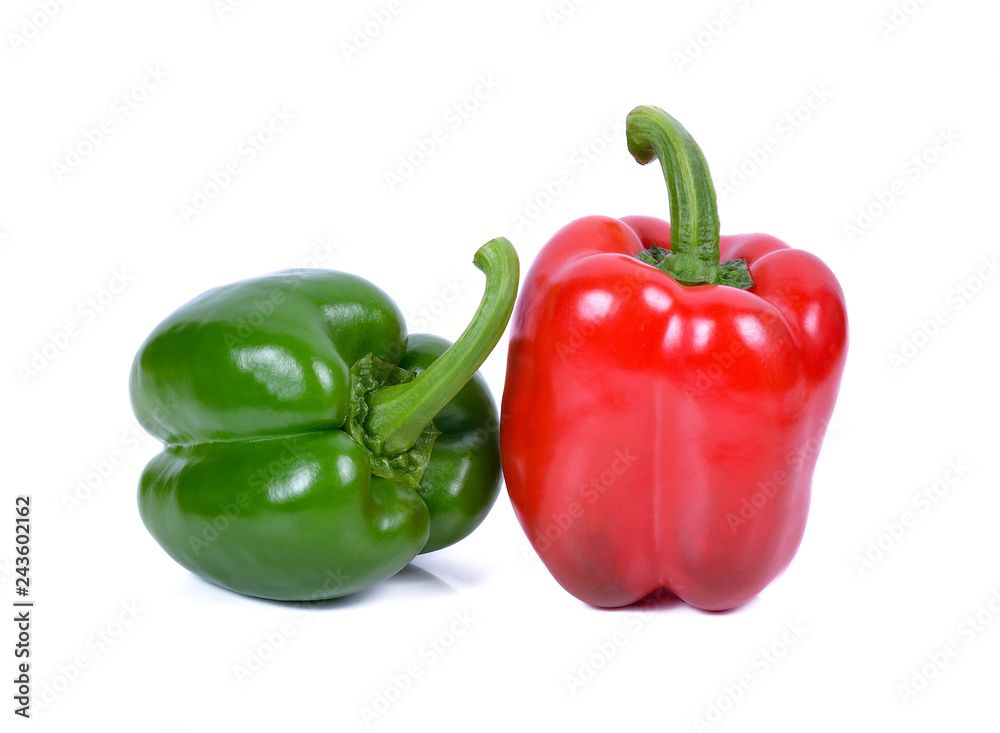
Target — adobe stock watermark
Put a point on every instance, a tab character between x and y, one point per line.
451	292
454	117
558	14
260	311
372	27
229	511
434	648
916	167
698	42
224	8
324	248
921	503
762	662
590	493
262	308
266	305
6	570
85	313
251	321
488	429
579	161
795	460
211	530
259	654
955	301
103	468
162	409
899	15
248	150
937	660
96	645
599	657
713	376
92	137
787	126
34	23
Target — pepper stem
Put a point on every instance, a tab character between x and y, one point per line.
398	414
693	258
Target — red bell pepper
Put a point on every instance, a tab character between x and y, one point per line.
663	410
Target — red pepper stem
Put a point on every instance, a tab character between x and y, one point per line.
398	414
693	258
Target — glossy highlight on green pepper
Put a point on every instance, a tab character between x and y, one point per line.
312	448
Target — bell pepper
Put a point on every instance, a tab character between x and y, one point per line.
311	447
666	390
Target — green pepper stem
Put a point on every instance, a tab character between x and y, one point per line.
399	413
693	258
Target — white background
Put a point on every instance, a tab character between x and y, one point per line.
853	96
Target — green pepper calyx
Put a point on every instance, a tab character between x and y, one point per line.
369	375
392	409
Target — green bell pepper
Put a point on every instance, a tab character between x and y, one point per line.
312	448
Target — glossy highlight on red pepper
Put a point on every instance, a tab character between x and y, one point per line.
660	380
